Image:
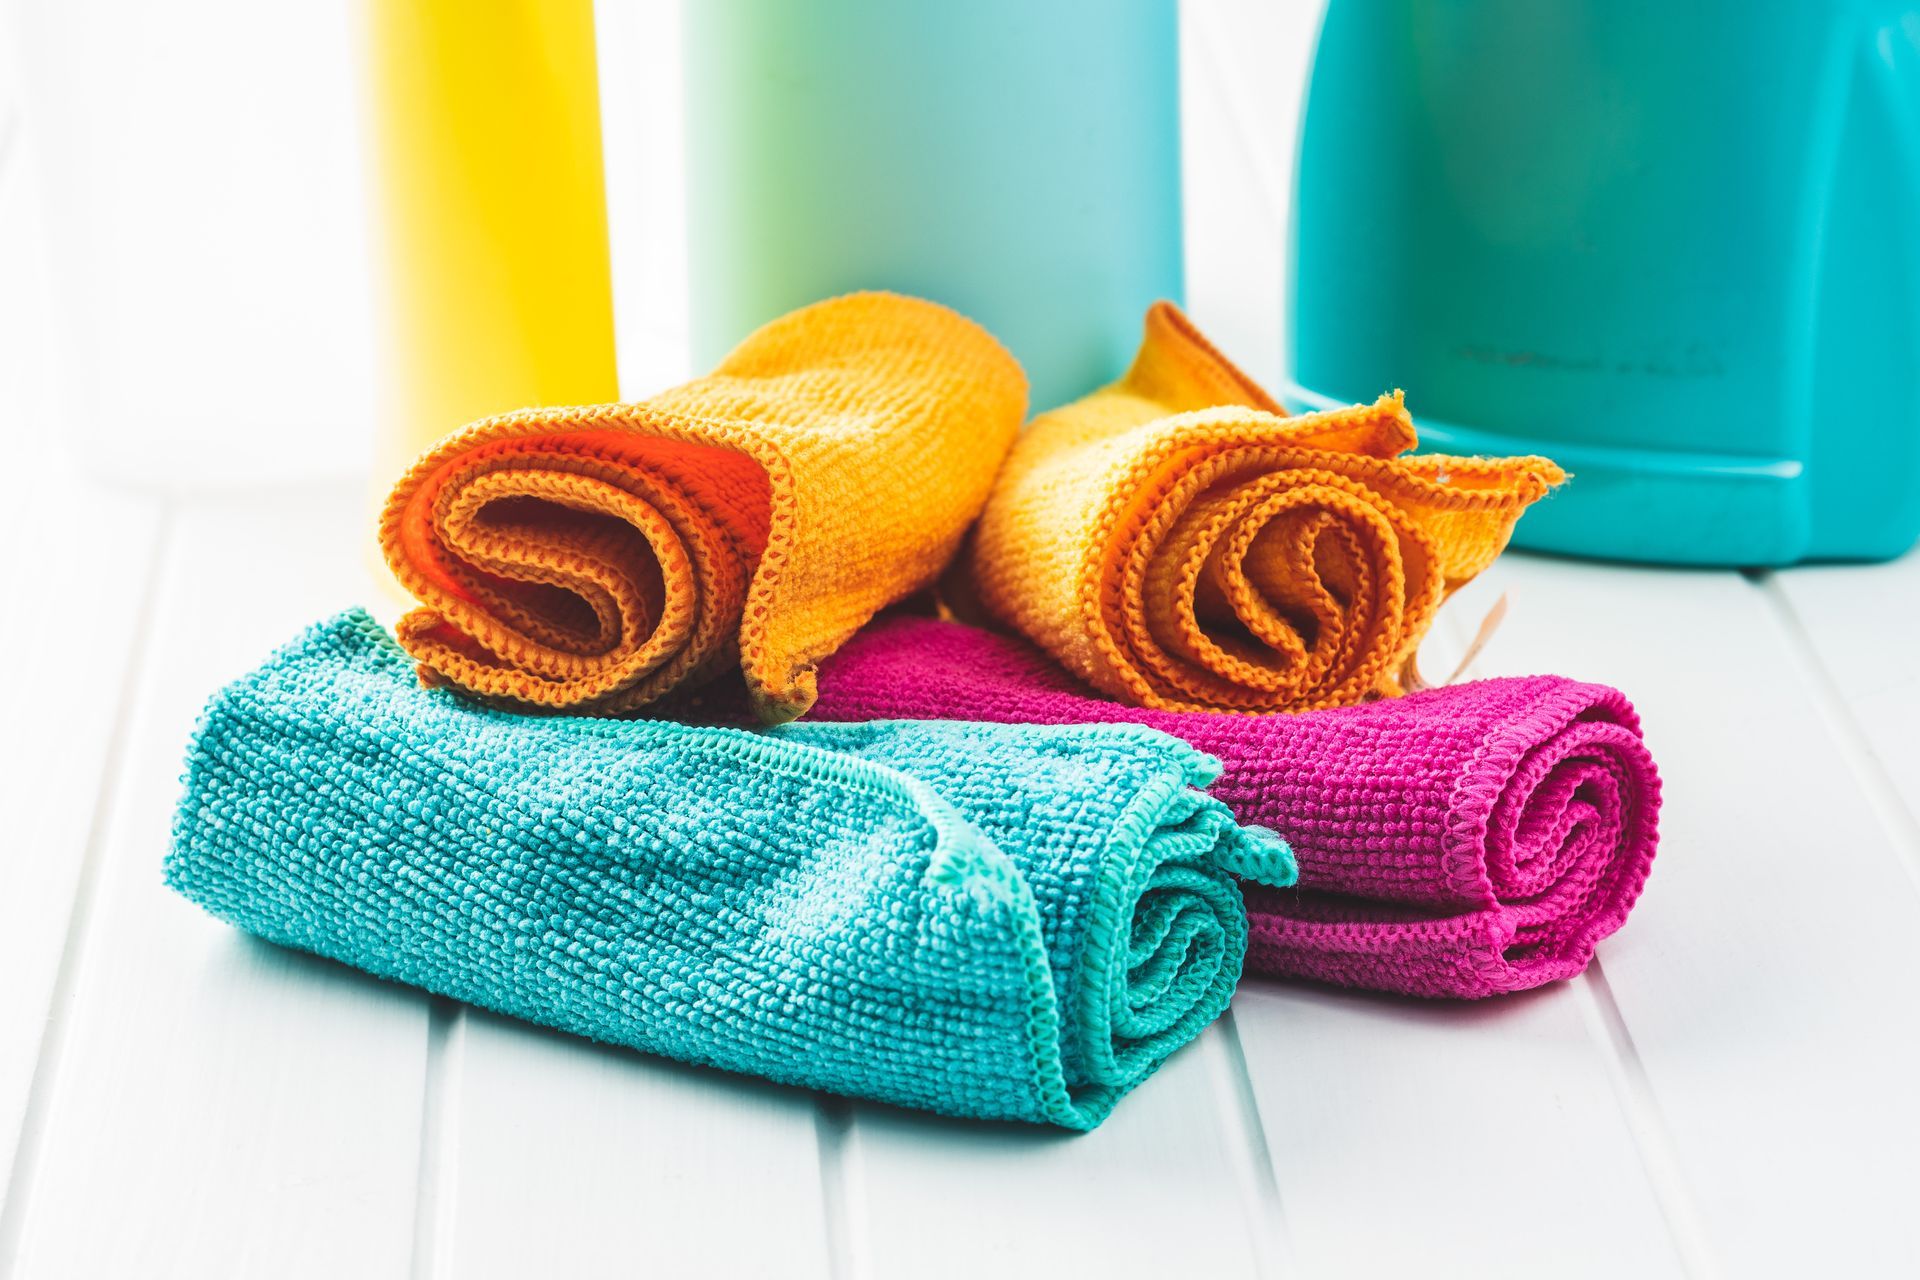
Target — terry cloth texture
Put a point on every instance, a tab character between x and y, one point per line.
983	920
595	559
1463	841
1178	542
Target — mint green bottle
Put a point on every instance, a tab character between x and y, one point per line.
1018	160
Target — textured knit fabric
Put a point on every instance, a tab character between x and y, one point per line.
595	559
1177	542
1463	841
983	920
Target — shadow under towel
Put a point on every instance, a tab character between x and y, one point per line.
1463	841
980	920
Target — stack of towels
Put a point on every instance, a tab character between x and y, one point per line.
1000	870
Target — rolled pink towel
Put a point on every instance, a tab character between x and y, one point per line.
1465	841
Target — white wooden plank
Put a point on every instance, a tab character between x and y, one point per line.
1765	983
93	578
222	1106
1861	622
1165	1187
72	584
623	1161
1410	1133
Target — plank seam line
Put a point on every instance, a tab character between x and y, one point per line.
1651	1137
1273	1244
17	1192
1856	749
1267	182
832	1127
446	1018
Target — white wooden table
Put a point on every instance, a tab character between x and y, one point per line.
1732	1090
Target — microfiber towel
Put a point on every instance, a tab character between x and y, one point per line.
983	920
1463	841
597	559
1178	542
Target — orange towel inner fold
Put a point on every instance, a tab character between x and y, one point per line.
590	569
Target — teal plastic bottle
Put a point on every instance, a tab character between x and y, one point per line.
1018	160
1675	247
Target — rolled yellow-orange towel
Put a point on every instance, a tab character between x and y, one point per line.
1179	541
596	559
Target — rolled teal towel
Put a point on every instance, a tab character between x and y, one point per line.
982	920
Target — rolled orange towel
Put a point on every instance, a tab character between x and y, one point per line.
1179	542
596	559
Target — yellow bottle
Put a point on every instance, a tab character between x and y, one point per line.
496	288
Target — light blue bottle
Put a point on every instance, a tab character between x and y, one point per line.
1018	160
1675	247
